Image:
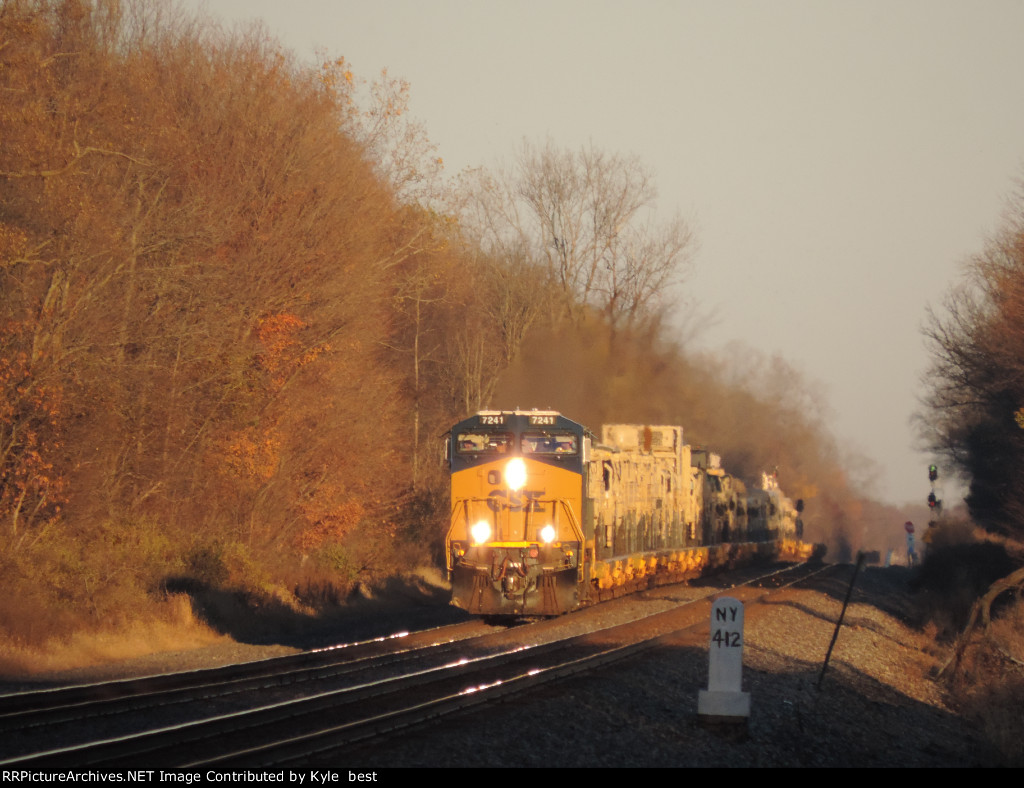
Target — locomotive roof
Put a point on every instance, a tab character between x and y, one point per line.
533	411
519	418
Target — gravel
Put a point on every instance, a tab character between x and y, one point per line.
876	705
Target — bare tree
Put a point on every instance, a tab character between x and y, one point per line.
500	301
397	144
587	217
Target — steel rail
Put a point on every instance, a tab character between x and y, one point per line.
50	708
334	738
168	740
78	694
151	744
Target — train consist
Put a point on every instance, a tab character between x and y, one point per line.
546	518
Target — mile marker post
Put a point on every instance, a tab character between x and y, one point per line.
724	702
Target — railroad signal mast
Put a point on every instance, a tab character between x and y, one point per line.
934	504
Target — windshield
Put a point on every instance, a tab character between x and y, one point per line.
482	442
549	443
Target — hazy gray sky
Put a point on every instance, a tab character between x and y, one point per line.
839	159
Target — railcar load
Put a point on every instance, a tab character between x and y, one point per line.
546	518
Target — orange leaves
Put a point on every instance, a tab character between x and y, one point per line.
13	242
277	332
253	456
283	352
32	488
278	336
327	517
338	81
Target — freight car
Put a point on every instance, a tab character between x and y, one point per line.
546	518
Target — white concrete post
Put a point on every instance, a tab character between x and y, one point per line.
724	697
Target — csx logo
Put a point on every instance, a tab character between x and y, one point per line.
526	501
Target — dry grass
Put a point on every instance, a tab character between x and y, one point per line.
175	628
988	682
989	687
996	711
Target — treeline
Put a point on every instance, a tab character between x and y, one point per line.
237	314
974	401
209	307
973	417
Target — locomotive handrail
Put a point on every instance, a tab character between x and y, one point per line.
574	522
463	503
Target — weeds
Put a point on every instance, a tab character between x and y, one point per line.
985	676
989	687
123	588
170	625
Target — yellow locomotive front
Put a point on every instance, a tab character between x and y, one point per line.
515	543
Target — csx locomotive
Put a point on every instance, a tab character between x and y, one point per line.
545	518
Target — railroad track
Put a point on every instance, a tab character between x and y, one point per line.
70	713
374	695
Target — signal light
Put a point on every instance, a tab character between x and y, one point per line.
931	500
933	472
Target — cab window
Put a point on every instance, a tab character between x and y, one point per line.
470	443
557	443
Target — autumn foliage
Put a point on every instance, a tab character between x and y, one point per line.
235	319
196	252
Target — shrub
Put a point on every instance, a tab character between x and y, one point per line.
953	576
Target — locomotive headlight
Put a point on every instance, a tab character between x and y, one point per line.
547	534
515	473
480	531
